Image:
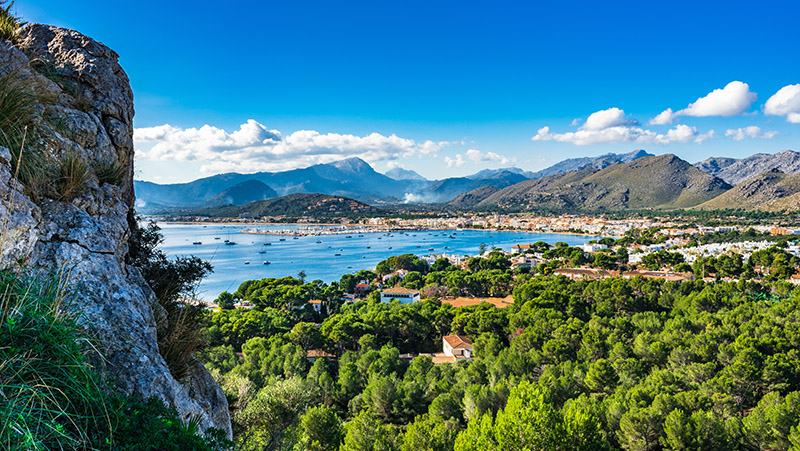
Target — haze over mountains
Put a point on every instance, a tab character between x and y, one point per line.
608	182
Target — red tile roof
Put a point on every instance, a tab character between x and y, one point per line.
458	341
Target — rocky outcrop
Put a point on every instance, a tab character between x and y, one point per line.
736	171
85	107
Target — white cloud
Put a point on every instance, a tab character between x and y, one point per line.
604	119
785	102
255	147
663	118
456	162
618	134
735	98
477	156
751	132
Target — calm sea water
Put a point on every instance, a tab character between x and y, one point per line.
316	255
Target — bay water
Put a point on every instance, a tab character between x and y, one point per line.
324	257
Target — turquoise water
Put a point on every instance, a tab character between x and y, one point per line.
319	260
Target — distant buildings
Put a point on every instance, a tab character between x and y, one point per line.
585	273
316	304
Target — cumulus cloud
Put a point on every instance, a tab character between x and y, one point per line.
751	132
254	147
785	102
603	119
735	98
456	162
477	156
611	126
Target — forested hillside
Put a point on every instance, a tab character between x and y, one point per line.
632	364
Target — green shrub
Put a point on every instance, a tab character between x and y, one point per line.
180	334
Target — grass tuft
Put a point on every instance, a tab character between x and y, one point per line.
110	171
50	396
19	119
9	23
51	399
72	173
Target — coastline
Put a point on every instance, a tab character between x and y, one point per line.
357	226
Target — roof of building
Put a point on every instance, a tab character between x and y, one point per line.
466	302
592	272
318	353
400	290
658	275
458	341
315	301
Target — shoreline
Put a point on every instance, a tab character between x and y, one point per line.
356	226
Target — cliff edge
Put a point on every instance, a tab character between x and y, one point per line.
76	218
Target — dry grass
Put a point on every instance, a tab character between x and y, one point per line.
180	336
72	172
19	120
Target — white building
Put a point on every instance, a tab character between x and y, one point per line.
593	247
404	295
457	346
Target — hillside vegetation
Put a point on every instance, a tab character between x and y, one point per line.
660	182
630	364
770	191
296	205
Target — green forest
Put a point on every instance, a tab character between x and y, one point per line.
634	364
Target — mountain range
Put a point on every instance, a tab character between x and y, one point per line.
734	170
351	177
608	182
661	182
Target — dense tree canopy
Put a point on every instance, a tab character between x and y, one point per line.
634	364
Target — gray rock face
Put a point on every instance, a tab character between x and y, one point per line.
736	171
88	109
19	218
97	82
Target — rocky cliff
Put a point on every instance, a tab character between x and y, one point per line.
81	111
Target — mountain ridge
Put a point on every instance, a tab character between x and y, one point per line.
735	171
661	182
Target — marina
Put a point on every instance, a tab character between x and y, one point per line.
315	251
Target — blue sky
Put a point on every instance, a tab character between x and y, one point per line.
444	88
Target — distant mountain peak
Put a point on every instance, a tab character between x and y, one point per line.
353	164
404	174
